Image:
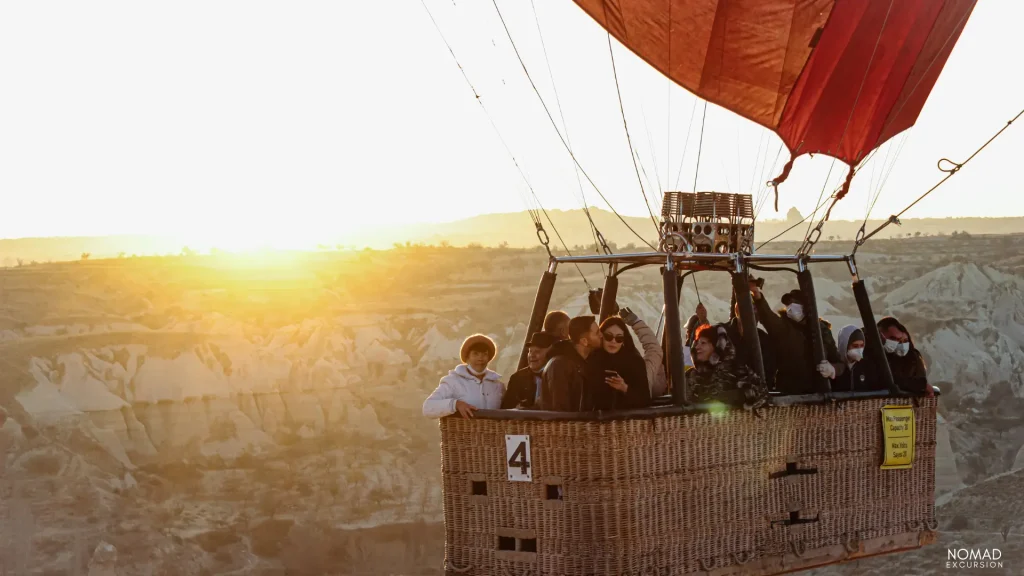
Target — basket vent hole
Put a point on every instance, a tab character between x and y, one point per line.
479	488
507	543
554	492
528	545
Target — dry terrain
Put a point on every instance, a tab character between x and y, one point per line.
261	415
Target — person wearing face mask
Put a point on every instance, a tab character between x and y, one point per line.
618	375
855	374
905	361
470	386
791	339
717	374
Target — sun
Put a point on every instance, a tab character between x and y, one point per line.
241	238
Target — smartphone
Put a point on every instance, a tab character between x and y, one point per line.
610	373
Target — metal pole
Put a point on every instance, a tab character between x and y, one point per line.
611	290
811	317
540	308
674	335
871	335
741	292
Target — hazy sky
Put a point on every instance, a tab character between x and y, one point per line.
254	120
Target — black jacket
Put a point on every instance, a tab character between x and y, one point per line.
742	354
860	377
908	372
521	391
629	364
565	380
796	371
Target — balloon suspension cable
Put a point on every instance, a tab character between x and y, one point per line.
542	235
784	232
697	288
686	142
554	125
599	242
950	172
700	145
625	126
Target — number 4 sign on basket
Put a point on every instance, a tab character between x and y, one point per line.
517	457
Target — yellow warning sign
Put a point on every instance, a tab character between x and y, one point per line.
897	437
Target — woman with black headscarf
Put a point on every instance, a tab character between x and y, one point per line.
617	370
905	361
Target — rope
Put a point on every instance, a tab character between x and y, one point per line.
685	142
762	194
559	132
815	213
625	126
598	239
700	146
950	172
654	155
791	227
541	233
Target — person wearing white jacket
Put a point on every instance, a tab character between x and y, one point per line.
470	386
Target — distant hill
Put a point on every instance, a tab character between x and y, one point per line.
514	228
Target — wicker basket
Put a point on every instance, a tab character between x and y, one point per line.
685	494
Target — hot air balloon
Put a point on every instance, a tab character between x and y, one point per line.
688	487
834	77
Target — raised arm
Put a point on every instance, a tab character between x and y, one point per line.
653	353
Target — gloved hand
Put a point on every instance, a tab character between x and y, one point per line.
628	316
826	370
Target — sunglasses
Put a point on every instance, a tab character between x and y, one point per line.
620	338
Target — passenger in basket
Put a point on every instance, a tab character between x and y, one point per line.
905	360
790	335
718	376
735	330
564	386
617	370
856	373
524	386
470	386
556	323
653	352
699	318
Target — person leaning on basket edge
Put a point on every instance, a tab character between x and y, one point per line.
524	386
470	386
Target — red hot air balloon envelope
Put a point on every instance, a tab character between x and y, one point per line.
836	77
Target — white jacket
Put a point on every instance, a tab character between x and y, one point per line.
460	384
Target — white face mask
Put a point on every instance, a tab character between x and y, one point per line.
855	354
903	349
795	312
890	345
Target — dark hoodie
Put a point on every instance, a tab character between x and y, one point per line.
908	371
565	379
629	364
